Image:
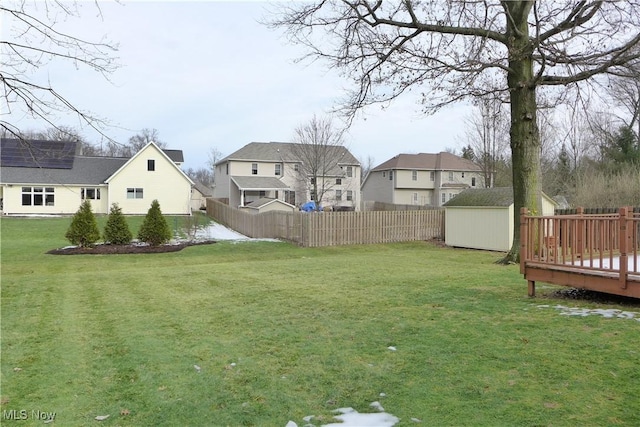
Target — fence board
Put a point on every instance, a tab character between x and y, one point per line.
313	229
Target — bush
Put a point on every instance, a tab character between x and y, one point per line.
154	230
116	231
83	230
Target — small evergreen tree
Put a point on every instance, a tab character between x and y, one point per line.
154	229
117	231
83	230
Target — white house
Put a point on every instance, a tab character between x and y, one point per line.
48	177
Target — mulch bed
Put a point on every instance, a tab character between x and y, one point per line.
125	249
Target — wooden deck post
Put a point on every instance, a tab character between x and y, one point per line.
625	239
579	249
524	253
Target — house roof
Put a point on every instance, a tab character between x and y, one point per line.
203	189
175	155
279	152
85	170
428	161
258	183
37	153
50	162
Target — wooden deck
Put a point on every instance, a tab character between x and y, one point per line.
599	252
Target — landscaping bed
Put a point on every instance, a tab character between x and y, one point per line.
125	249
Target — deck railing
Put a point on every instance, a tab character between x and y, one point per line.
589	243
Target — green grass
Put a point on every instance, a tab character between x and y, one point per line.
308	331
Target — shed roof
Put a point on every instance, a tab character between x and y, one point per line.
498	196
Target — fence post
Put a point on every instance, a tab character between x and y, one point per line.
625	237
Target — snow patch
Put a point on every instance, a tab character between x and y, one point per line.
351	418
583	312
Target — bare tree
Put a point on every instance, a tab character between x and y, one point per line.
318	149
461	49
366	165
141	139
33	40
214	156
626	94
487	136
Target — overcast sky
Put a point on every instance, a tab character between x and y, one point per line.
208	74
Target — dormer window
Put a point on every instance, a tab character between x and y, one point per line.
151	165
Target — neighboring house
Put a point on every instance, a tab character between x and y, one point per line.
47	177
199	194
421	179
483	218
272	170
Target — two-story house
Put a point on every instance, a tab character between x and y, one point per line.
421	179
277	170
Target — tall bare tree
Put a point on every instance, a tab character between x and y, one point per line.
318	147
32	39
458	49
487	136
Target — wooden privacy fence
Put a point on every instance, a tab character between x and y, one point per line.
314	229
598	251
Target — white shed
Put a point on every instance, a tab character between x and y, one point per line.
482	218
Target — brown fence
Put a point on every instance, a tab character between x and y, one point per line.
313	229
381	206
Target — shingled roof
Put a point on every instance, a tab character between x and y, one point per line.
428	161
278	152
494	197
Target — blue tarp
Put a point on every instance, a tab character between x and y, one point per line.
309	206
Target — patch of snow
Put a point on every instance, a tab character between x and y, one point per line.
392	348
606	313
291	424
215	231
352	418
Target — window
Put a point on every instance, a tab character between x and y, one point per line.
415	198
338	195
444	197
450	176
151	165
349	195
296	167
278	169
134	193
390	175
432	175
414	175
384	174
313	180
473	181
450	196
338	181
463	174
227	168
349	171
254	169
262	193
37	196
313	195
90	193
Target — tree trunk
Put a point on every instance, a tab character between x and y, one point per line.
524	134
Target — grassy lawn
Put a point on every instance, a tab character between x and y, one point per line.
280	332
